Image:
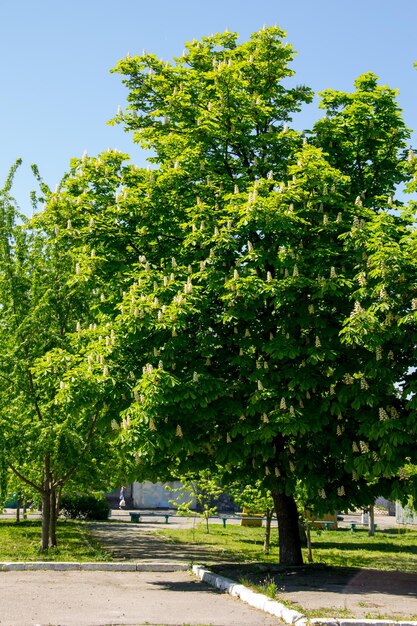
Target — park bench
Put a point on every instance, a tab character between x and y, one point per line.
326	523
135	516
224	518
354	524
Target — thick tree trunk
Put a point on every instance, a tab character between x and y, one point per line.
267	538
289	537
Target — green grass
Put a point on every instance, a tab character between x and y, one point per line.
388	550
20	542
233	543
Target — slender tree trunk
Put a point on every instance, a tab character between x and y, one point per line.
19	501
206	517
309	550
46	517
53	520
25	512
371	521
46	505
267	538
289	537
302	532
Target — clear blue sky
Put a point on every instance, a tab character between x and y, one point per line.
55	57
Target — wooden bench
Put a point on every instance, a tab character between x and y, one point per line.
224	518
135	516
354	524
326	523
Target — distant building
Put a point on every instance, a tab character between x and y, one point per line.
405	515
386	504
149	495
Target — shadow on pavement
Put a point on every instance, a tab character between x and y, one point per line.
321	578
133	543
194	585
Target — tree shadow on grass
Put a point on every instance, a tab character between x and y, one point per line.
375	546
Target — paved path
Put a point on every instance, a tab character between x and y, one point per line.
110	598
138	542
360	592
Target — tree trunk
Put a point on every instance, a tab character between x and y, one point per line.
289	537
309	550
267	538
53	520
206	517
371	521
46	505
19	501
302	532
46	516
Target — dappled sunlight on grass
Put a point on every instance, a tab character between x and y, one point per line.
237	543
385	551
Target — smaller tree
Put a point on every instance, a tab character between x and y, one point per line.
204	489
55	389
255	499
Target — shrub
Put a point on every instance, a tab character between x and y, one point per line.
91	507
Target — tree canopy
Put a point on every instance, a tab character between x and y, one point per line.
256	284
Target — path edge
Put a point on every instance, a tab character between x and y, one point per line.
262	602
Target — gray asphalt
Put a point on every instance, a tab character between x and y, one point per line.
105	598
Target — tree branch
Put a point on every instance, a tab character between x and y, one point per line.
73	469
24	479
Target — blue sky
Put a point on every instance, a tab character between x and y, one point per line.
55	57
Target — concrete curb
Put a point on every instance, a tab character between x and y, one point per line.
360	622
262	602
257	600
67	566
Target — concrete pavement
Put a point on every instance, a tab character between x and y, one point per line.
110	598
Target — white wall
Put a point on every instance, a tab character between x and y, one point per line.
405	516
149	495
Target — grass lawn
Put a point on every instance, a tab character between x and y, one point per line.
20	542
388	550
